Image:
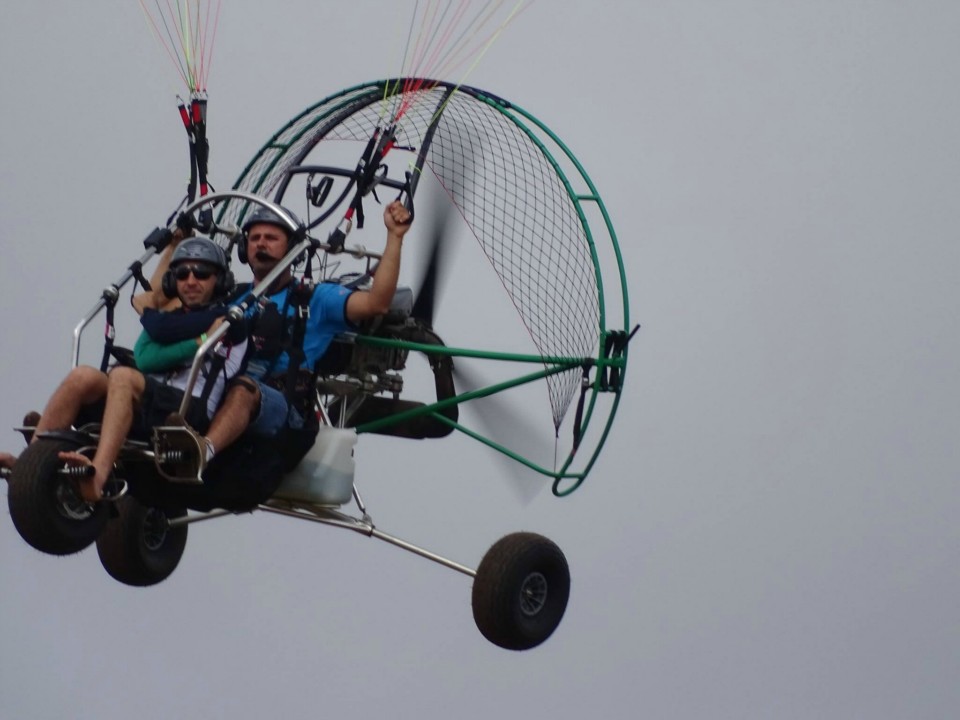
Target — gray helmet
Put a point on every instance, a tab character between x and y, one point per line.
200	248
205	250
268	216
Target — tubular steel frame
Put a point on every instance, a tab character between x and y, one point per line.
301	135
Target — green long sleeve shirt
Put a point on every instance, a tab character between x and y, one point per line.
152	356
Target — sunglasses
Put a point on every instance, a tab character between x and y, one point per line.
182	272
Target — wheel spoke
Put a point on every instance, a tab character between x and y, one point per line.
533	594
154	529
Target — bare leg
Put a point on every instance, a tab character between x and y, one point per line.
234	415
82	386
126	387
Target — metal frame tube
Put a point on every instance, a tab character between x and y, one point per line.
424	553
193	519
328	516
334	518
112	290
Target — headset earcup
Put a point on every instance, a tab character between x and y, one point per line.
242	249
168	284
225	283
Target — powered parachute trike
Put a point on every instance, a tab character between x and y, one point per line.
538	316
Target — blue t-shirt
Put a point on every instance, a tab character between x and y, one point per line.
328	316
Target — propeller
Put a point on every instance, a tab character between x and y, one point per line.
503	421
496	416
435	245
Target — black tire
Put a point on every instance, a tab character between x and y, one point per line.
45	506
138	547
520	592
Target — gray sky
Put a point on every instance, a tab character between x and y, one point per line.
772	530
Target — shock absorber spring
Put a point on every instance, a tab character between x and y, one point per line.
173	456
78	471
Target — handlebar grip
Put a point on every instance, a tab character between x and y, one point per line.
158	239
407	199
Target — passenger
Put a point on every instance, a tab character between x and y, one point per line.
136	400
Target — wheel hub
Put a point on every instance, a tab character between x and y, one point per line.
154	529
70	505
533	594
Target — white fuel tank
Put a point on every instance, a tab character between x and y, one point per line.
325	475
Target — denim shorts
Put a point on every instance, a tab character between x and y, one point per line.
275	413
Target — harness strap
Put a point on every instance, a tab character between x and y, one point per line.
217	365
191	135
578	418
300	295
136	269
109	331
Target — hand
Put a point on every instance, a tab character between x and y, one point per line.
397	219
213	326
217	322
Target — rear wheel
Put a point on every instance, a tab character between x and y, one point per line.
520	591
138	546
44	504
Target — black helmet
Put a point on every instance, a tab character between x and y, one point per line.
202	249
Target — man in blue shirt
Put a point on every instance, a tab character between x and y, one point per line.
255	401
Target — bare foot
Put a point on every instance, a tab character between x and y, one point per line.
7	460
91	485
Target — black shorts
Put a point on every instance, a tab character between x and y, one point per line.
157	403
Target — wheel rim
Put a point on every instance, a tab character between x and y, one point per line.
154	529
533	594
70	505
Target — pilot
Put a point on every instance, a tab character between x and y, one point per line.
257	400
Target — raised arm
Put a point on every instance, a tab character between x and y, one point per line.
376	301
155	299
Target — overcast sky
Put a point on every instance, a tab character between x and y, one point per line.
773	528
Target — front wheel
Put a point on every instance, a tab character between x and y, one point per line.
520	591
45	506
139	547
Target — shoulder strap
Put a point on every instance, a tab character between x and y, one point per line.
299	297
217	366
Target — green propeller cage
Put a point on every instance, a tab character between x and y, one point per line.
539	220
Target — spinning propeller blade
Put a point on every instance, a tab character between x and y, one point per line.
499	420
441	225
496	417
